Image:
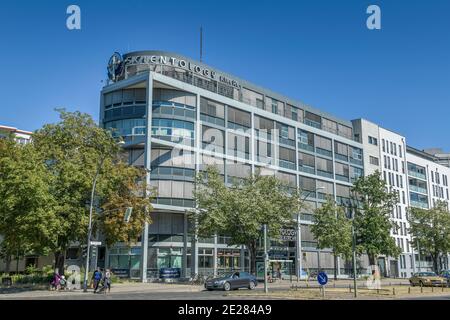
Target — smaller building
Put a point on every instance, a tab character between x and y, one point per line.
21	136
440	156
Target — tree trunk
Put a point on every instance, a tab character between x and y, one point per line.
59	262
335	266
7	263
252	254
372	259
435	262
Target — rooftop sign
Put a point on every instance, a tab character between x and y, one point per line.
173	62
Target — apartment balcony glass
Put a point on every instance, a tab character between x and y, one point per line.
419	204
324	152
417	174
173	130
306	147
286	164
341	157
342	178
418	189
173	109
307	169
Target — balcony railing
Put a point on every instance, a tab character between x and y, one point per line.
417	175
418	189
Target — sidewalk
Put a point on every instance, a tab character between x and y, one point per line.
116	288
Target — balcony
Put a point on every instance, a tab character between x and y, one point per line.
286	164
306	147
418	189
307	169
418	204
313	124
324	152
417	175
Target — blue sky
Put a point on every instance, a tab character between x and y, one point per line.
319	52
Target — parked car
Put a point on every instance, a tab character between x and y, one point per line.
446	275
232	281
427	279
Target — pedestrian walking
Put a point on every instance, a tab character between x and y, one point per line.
97	277
107	281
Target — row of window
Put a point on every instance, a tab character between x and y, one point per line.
391	147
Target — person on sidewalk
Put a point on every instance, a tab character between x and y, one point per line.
97	277
107	281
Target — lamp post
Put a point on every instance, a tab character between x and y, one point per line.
352	217
91	207
299	235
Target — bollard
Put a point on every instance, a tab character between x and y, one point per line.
432	289
409	290
378	291
393	291
421	288
442	287
350	288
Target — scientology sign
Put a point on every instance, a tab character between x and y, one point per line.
185	64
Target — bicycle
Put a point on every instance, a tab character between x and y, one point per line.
197	279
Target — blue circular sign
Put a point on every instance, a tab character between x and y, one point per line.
322	278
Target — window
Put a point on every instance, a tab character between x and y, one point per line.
400	151
238	145
239	117
323	143
341	148
374	160
313	120
342	170
324	167
305	162
384	145
288	155
306	140
373	140
329	125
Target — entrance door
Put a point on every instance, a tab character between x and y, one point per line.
394	268
381	262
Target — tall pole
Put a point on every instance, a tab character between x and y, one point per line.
299	248
355	293
266	289
201	44
90	224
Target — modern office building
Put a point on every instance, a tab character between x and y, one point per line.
199	116
21	136
177	116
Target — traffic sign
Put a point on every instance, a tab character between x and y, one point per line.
322	278
96	243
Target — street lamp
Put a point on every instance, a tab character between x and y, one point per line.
91	207
299	235
352	210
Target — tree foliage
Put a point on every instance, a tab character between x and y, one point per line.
239	211
430	230
27	218
374	204
54	182
332	229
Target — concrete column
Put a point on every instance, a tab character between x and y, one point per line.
194	254
147	159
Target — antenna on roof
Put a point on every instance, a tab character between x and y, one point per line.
201	43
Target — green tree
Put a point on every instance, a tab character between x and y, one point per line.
430	230
239	211
125	187
372	217
332	229
27	220
73	149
